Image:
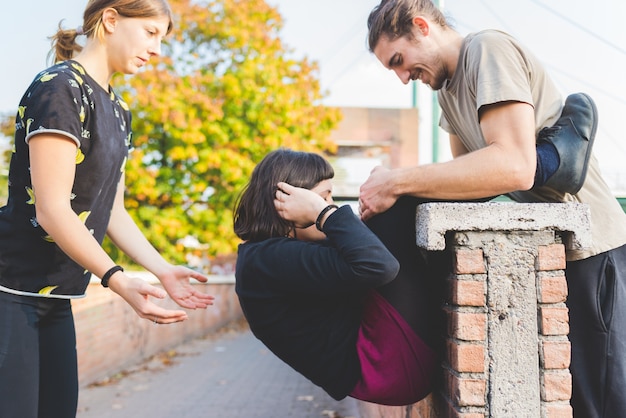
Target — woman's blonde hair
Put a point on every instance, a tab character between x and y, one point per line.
64	42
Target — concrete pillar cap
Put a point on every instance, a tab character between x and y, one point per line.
435	219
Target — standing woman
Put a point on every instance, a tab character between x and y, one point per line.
66	191
349	306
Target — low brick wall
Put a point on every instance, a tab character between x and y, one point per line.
111	336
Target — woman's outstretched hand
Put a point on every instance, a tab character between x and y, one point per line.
298	205
137	292
176	282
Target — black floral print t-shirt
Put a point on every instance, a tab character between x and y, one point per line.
64	100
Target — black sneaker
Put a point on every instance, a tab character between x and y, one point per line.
572	135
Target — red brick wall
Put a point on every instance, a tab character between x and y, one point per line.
111	336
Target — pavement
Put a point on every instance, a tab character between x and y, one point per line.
228	374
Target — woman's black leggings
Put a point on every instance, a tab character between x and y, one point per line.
417	290
38	363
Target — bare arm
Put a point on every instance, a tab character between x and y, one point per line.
506	164
53	167
127	236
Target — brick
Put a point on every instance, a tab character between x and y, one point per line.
469	262
556	354
448	411
551	257
557	386
452	412
552	290
554	321
468	292
558	410
466	357
468	326
430	406
468	392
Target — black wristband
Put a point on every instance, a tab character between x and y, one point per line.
110	272
318	221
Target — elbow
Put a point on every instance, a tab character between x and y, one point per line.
390	271
374	275
514	168
394	269
391	277
521	177
44	218
48	216
525	183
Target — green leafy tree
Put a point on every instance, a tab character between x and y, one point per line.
224	94
7	130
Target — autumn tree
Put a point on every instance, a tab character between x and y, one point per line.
225	92
7	129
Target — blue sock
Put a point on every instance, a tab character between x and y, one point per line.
547	162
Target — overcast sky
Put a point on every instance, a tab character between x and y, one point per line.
582	43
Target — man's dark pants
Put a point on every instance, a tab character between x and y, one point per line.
597	309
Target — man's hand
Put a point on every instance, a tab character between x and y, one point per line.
376	195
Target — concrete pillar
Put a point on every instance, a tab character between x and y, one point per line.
507	348
507	352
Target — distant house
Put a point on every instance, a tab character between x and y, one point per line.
368	137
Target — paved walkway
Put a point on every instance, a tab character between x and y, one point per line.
227	375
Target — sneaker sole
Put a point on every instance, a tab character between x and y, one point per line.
592	137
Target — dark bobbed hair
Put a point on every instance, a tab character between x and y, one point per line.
255	217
